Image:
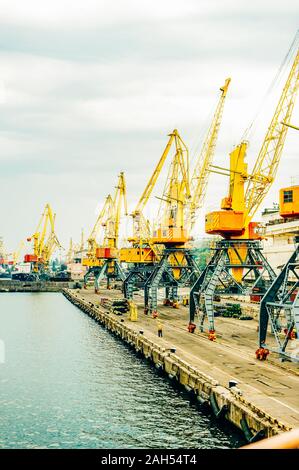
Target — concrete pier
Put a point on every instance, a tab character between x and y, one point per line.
36	286
265	400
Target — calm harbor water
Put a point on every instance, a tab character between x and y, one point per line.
67	383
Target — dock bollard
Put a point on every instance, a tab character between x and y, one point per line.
232	383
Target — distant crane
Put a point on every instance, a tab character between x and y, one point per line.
70	252
108	253
75	251
104	256
238	265
3	254
45	242
91	261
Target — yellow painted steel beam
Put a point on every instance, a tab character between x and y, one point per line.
200	177
268	159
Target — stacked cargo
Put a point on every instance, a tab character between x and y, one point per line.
117	306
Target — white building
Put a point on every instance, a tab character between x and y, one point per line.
279	236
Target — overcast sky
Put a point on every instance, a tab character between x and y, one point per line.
92	87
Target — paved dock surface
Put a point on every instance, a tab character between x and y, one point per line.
271	385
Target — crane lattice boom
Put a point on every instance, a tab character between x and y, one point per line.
45	240
199	180
175	198
92	240
267	162
141	226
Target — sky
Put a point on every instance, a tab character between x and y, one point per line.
91	88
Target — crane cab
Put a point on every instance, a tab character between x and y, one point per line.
231	224
142	254
170	236
107	253
289	202
225	223
91	262
30	259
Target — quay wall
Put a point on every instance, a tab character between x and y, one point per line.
33	286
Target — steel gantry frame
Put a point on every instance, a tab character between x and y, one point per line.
176	268
217	278
280	306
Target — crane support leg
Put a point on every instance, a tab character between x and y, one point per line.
98	276
218	278
280	307
174	297
171	274
152	285
88	274
136	279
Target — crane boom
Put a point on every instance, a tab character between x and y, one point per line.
47	220
108	223
171	228
81	247
199	180
141	228
92	239
70	253
267	162
151	184
119	197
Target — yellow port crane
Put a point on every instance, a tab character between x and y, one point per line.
200	176
45	242
180	199
108	253
142	250
112	223
176	265
91	261
238	265
143	253
103	257
176	195
75	250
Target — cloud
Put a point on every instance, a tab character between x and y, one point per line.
90	13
